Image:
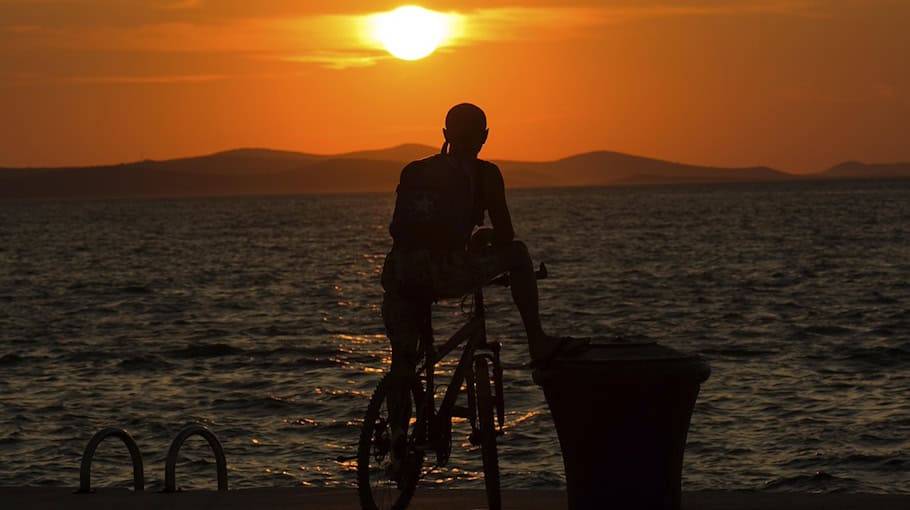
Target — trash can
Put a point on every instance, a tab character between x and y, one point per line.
622	413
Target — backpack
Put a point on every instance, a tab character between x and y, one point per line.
437	206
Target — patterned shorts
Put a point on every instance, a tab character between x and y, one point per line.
439	274
413	279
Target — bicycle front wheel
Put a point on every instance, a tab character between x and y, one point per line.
386	479
485	409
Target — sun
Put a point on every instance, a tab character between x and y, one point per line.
411	32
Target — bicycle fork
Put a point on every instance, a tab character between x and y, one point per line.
499	395
499	398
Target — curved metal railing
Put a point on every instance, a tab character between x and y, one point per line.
85	472
170	483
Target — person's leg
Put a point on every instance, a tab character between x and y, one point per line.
514	257
401	319
517	261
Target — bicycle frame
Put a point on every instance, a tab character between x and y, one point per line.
392	473
473	334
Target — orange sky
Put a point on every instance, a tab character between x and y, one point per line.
795	84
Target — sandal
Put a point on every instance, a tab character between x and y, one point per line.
565	345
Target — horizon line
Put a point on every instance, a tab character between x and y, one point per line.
343	155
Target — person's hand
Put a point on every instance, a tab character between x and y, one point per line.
482	238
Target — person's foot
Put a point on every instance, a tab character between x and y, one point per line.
555	347
397	456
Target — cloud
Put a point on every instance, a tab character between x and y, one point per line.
508	23
336	60
317	33
331	41
160	79
177	4
334	41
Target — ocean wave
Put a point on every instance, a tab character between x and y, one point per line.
270	403
144	362
819	482
828	330
880	356
205	351
734	352
13	358
136	289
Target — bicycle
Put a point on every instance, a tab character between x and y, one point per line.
384	486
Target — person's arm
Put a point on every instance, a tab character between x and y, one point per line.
404	221
497	208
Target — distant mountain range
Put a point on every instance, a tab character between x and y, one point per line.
270	172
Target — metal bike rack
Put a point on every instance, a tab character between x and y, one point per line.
85	472
170	484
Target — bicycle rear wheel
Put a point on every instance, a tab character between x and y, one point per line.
384	483
485	409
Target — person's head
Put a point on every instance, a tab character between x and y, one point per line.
466	129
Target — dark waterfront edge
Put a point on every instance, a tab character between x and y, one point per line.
45	498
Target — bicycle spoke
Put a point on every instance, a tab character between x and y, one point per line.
387	467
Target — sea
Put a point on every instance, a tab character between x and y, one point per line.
259	317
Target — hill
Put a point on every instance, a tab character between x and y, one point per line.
606	168
270	172
856	170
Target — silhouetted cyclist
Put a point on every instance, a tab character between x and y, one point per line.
441	199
